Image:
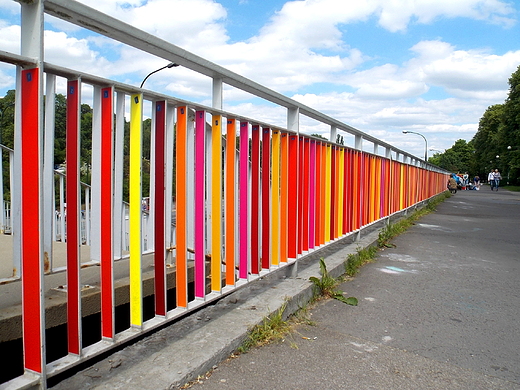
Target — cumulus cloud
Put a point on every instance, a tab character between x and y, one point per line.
463	72
301	47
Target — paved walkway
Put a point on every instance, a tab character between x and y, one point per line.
438	311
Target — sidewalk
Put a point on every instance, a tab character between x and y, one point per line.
438	311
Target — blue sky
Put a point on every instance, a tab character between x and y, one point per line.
430	66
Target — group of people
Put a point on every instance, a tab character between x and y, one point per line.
494	178
463	182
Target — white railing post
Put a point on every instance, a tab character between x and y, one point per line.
358	142
333	133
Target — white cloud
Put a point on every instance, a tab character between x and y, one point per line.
9	38
301	46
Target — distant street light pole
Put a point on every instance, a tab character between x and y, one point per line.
425	141
170	65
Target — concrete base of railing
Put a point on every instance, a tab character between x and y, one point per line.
193	345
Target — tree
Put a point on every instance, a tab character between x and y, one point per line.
497	141
458	158
509	133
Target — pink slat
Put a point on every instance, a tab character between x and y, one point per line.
244	167
160	246
107	278
255	199
200	178
266	192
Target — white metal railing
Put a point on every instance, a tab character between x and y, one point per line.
236	216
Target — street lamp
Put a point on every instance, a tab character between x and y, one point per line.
170	65
425	142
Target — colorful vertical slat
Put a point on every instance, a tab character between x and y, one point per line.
341	190
243	201
200	203
181	206
72	190
216	203
333	194
318	189
299	203
275	200
305	194
292	208
284	196
31	257
230	201
266	202
323	192
328	192
107	208
312	195
136	128
159	209
255	199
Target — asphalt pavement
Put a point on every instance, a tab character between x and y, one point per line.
440	310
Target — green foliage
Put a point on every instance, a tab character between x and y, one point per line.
358	259
495	145
271	328
326	286
497	141
394	229
458	158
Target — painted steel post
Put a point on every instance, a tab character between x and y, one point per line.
107	214
243	268
230	204
136	129
181	282
73	194
216	203
159	208
200	203
266	199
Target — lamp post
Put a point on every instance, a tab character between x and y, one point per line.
170	65
425	142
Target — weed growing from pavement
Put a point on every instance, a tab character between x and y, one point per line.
273	327
358	259
394	229
326	286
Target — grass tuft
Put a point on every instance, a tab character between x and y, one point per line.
272	328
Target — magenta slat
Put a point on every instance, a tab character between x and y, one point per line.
243	229
200	190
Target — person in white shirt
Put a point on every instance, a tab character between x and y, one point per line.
491	179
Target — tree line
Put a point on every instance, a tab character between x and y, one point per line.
496	145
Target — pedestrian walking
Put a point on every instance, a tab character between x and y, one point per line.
497	177
491	179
